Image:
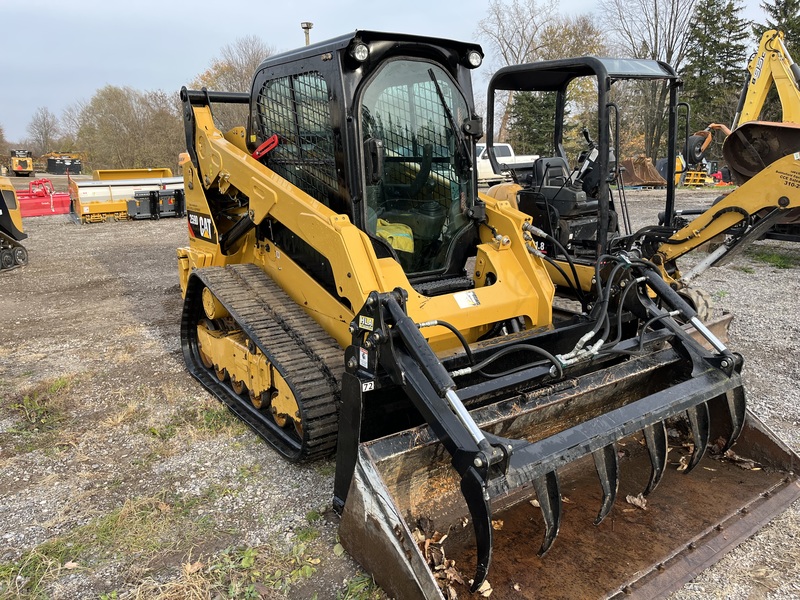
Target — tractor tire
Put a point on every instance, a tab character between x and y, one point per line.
700	300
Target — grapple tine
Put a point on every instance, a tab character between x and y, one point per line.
605	461
548	492
699	422
473	489
736	408
655	436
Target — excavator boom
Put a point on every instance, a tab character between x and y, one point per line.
770	65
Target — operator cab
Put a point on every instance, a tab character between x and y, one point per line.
573	202
382	128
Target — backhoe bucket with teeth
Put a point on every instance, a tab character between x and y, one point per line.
550	492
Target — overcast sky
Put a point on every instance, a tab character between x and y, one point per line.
57	52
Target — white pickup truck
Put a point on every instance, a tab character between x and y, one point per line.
505	155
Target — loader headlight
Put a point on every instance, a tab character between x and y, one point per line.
474	59
360	51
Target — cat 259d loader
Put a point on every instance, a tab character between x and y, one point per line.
348	291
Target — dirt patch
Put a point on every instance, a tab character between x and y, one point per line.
120	476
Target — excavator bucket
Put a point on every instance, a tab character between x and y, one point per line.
753	146
570	509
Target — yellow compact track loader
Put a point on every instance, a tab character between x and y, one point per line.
22	163
12	253
348	291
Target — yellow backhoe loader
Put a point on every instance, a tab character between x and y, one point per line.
12	253
348	291
753	147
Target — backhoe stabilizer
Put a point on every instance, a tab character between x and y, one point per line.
542	441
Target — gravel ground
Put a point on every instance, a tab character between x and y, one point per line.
121	477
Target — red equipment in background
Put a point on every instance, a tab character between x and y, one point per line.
41	199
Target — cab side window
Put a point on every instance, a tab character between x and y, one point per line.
296	109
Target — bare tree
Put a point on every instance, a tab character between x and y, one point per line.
71	119
126	128
515	31
43	129
233	72
653	29
4	146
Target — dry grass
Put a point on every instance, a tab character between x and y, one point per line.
140	530
129	413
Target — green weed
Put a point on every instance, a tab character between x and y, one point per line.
360	587
42	408
313	516
772	258
307	534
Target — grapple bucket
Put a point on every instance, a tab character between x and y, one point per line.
402	492
542	521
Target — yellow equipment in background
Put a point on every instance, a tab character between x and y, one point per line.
121	194
22	163
755	149
145	173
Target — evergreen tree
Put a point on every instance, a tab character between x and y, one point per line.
783	15
531	119
716	64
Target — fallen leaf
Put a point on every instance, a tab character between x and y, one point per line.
639	501
464	522
684	463
450	592
566	500
535	503
263	590
517	587
435	555
190	568
338	549
497	524
485	590
71	565
742	463
453	575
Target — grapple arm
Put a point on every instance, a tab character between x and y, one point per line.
389	349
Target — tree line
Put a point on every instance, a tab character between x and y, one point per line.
706	41
122	127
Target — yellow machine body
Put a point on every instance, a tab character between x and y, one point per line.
347	290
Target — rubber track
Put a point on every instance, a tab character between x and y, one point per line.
305	355
13	244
